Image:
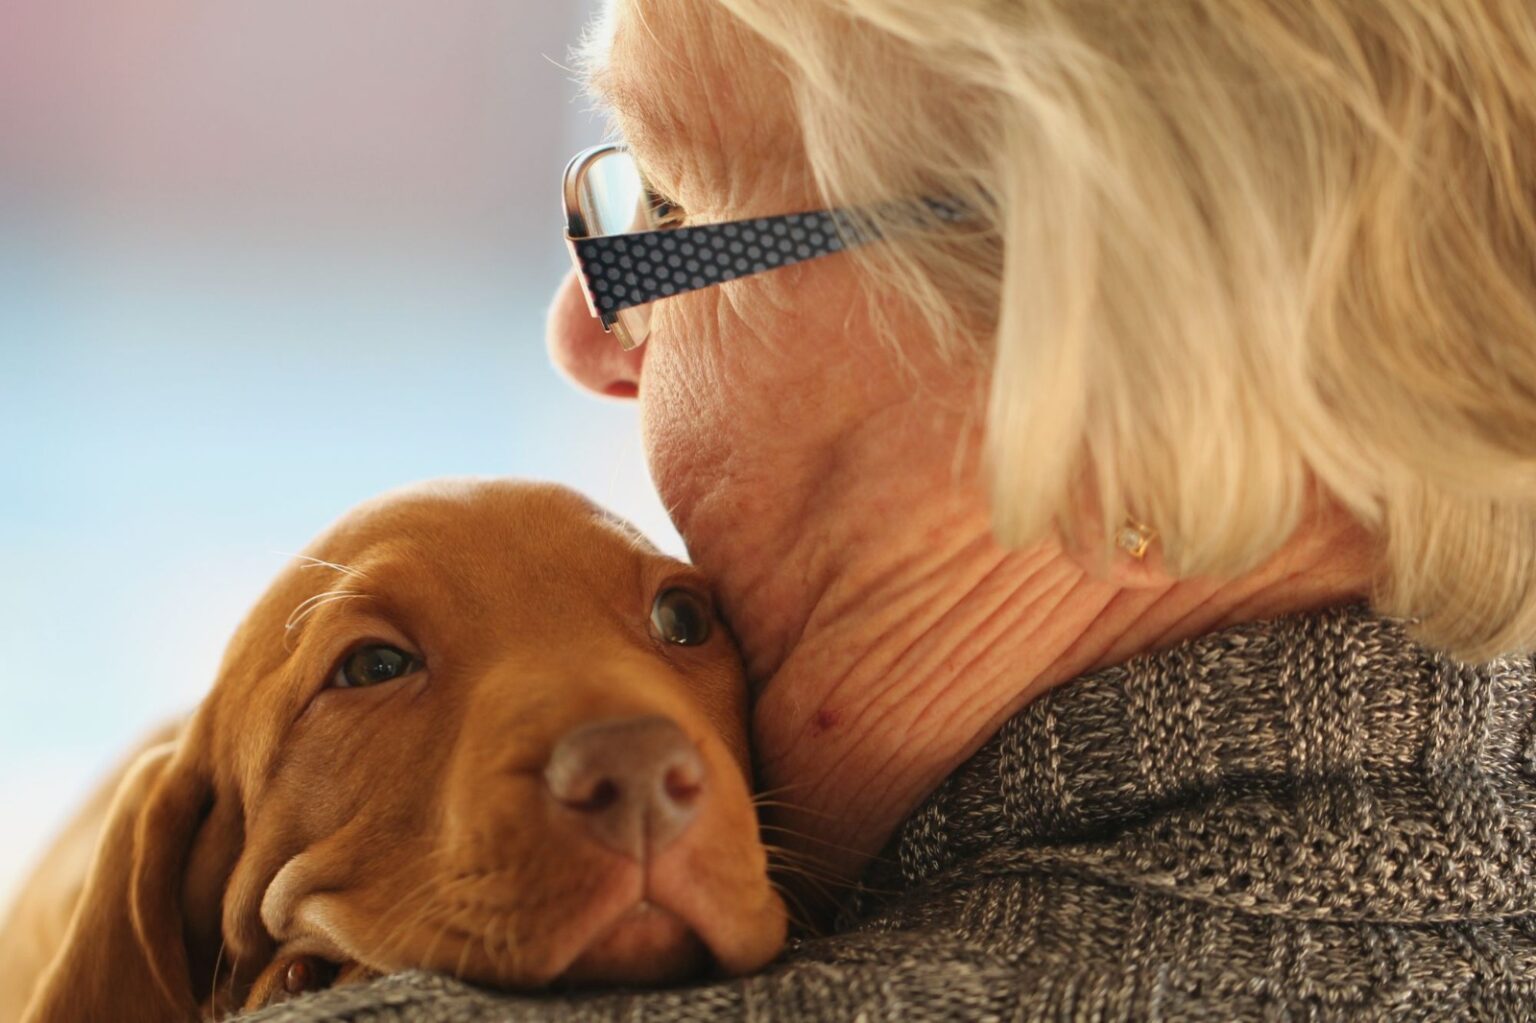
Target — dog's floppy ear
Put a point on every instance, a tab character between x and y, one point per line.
125	954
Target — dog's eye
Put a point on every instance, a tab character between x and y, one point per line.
369	665
680	616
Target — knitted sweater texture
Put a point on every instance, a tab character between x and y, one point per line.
1311	818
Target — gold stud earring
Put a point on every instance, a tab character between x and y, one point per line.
1134	538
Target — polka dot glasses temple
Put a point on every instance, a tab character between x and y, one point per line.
629	251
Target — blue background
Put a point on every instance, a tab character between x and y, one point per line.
257	263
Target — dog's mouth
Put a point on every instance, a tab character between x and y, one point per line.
647	944
580	908
665	922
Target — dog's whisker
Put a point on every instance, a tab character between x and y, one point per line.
396	940
514	947
792	807
797	925
431	947
466	946
408	903
800	864
485	941
785	860
213	982
440	905
813	889
767	799
510	946
799	870
799	854
307	608
346	570
426	908
829	887
794	833
464	950
231	971
789	868
776	790
234	972
410	915
311	604
794	909
421	916
442	932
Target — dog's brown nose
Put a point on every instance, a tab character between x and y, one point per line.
635	781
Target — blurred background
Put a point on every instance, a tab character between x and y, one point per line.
258	262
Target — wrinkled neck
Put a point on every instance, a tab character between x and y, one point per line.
882	670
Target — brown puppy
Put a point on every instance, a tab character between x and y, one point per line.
479	727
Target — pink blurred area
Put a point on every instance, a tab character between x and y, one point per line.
259	261
385	114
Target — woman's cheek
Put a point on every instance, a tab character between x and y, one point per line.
748	385
686	418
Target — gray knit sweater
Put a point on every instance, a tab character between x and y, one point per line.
1309	819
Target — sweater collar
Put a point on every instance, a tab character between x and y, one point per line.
1320	765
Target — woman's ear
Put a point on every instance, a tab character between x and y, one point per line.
125	955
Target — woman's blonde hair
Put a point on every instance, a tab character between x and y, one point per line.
1234	250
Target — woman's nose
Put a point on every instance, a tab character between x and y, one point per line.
586	353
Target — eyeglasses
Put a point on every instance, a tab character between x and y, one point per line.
630	250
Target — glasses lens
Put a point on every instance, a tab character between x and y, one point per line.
632	326
614	201
613	195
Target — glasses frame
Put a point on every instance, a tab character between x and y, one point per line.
630	270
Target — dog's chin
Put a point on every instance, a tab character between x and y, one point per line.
647	945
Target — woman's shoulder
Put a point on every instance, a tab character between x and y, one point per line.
1312	816
1035	944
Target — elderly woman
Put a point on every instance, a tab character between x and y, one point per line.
1113	531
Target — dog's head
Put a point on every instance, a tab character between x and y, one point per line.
478	727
